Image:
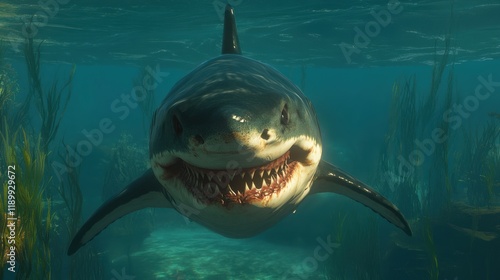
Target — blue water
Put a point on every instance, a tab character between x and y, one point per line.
111	43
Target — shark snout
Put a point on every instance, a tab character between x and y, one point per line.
230	138
234	141
217	147
225	129
243	148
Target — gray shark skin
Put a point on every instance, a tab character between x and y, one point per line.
235	146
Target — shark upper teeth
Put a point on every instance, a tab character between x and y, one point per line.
268	181
234	185
213	189
220	176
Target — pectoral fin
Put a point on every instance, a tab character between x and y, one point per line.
144	192
330	178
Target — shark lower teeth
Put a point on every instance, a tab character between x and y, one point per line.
237	186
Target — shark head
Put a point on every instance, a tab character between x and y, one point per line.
235	136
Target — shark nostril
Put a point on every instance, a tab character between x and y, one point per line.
199	139
265	134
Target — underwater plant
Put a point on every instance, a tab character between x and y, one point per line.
34	216
49	103
85	264
26	148
146	102
433	269
439	168
71	193
428	108
335	268
477	160
127	162
8	91
492	174
416	168
414	119
356	236
33	234
494	115
4	247
411	174
399	142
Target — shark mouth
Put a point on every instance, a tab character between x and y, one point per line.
239	185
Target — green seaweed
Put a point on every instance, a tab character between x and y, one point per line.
433	269
51	103
414	177
490	177
494	115
477	162
33	227
428	108
445	126
439	188
34	222
26	148
146	103
426	186
70	191
9	89
399	143
84	264
127	162
356	235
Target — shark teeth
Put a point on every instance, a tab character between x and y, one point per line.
238	186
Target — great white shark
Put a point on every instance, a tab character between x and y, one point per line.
235	146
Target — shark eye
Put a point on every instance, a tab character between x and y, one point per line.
284	115
177	125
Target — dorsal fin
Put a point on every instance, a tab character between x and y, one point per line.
230	42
